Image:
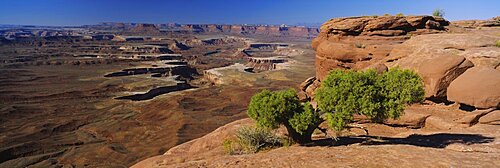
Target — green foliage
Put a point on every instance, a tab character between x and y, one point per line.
301	122
398	88
287	142
400	15
347	93
270	109
377	96
254	139
497	43
228	146
438	13
387	14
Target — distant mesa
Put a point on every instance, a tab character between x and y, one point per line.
145	28
493	22
270	30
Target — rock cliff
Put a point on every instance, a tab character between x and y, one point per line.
424	44
357	42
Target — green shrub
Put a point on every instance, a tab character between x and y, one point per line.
359	45
438	13
345	93
228	146
272	109
254	139
341	95
400	15
287	142
497	43
301	122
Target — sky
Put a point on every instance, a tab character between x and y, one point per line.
82	12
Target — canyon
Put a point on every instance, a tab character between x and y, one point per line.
115	94
168	95
456	126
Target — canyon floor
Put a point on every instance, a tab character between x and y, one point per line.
62	114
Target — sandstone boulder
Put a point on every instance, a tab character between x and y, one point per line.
379	68
311	89
473	117
476	47
491	118
438	123
478	87
440	58
410	118
437	71
303	86
303	97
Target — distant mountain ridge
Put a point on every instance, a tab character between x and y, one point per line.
273	30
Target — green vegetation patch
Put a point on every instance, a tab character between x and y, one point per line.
341	95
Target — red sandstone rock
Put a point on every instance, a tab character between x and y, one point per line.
491	118
410	118
358	42
440	58
478	87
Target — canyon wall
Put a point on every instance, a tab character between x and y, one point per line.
270	30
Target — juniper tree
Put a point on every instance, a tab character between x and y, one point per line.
341	95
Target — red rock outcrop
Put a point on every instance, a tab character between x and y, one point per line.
412	42
357	42
493	22
440	58
265	64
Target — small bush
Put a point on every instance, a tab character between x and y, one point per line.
228	146
272	109
359	45
387	14
287	142
438	13
254	139
400	15
497	43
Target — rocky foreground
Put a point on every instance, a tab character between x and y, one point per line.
457	126
440	141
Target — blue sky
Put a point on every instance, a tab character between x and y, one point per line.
78	12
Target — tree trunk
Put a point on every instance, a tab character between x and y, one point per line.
303	138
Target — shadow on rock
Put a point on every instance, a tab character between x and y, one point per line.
156	92
440	140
